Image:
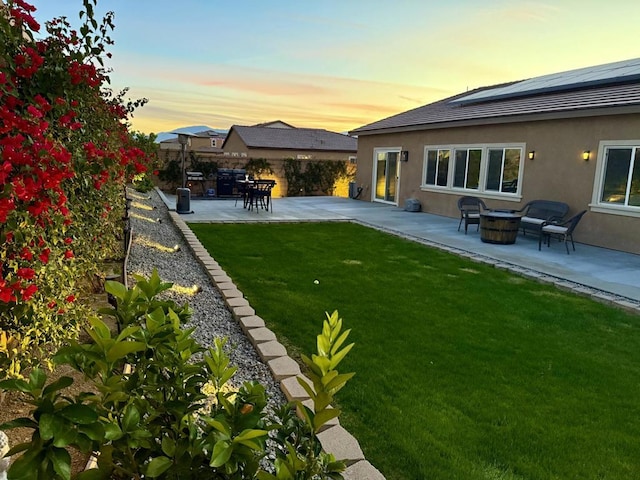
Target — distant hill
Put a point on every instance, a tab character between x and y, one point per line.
162	136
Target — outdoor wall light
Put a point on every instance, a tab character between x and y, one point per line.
176	248
586	155
532	154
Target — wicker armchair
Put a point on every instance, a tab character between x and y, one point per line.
470	208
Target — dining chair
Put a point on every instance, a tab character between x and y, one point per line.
243	189
261	194
470	208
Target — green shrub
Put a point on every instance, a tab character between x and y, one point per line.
173	415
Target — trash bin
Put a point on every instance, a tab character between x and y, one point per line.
184	200
353	190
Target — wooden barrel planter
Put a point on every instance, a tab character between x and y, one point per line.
499	227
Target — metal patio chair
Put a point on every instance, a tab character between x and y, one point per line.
563	231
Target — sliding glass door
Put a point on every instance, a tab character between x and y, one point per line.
386	166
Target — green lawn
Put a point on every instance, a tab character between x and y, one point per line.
463	371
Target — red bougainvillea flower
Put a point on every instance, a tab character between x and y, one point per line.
51	304
68	240
44	255
68	254
6	206
26	273
6	293
71	298
28	292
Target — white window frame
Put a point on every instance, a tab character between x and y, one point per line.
484	164
596	204
438	149
465	178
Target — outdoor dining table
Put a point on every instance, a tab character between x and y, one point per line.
255	193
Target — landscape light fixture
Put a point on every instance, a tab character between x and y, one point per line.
532	154
586	155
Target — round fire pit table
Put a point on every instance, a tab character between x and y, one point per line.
499	226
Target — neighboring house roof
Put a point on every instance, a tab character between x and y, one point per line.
526	100
294	139
275	124
203	134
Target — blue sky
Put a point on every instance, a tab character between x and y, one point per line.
340	64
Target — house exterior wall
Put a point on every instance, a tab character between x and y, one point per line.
196	143
277	164
557	172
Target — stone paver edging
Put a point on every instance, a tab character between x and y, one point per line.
334	438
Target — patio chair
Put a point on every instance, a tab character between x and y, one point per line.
470	208
563	231
261	194
243	189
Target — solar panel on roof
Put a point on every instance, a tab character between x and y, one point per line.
610	73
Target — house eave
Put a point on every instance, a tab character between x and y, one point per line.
532	117
301	149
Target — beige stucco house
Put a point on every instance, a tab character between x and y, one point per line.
572	137
274	142
205	142
279	140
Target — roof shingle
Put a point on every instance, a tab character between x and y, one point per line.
295	139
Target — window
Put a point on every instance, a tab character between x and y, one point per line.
437	170
467	168
302	156
503	169
353	159
621	176
494	169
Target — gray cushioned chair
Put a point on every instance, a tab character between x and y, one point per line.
563	231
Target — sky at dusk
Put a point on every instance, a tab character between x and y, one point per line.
340	64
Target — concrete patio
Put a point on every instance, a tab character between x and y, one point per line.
608	275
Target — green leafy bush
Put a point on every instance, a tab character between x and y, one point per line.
164	407
317	176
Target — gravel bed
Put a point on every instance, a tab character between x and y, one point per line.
154	236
